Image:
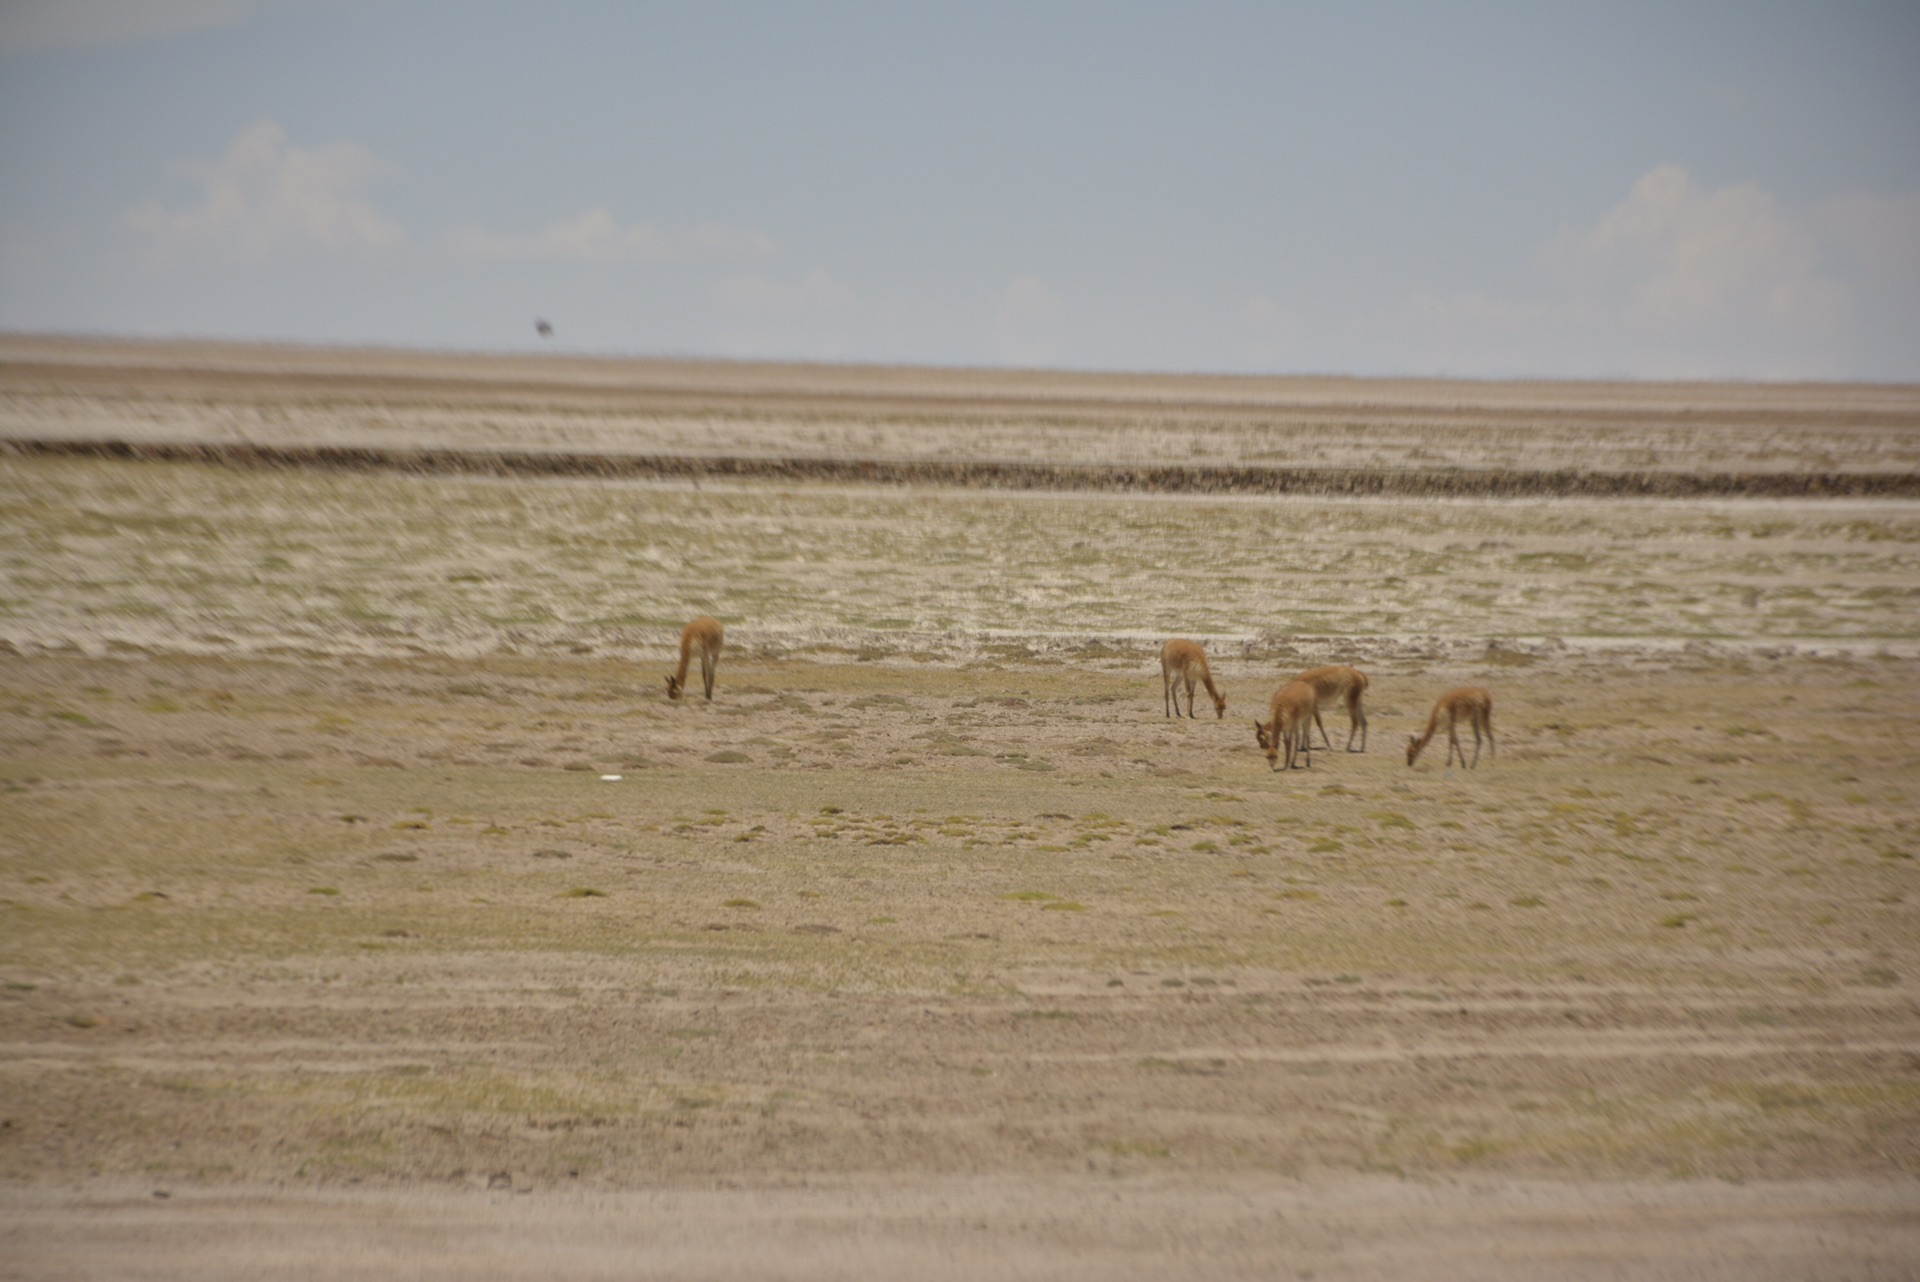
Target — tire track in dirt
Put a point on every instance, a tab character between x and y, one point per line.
1649	1045
328	1058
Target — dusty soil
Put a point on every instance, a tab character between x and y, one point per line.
899	958
1010	1226
315	928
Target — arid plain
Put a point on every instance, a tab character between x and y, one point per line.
367	910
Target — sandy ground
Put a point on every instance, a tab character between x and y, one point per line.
1357	1227
853	964
487	961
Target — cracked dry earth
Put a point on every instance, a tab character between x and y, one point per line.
366	968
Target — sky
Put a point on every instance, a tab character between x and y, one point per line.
1618	190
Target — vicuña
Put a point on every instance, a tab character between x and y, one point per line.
1333	686
707	636
1183	661
1470	704
1290	728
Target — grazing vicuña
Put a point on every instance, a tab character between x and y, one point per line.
1184	661
1470	704
1290	727
706	635
1344	685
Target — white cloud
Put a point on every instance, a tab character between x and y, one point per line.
266	196
1683	280
1029	322
36	26
1681	255
597	238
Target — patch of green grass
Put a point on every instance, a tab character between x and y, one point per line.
582	892
1475	1149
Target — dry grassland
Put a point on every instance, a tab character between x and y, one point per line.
331	944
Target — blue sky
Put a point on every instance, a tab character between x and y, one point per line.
1632	190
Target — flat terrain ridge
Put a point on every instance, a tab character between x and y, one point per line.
265	405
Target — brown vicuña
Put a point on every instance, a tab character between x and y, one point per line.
707	636
1184	661
1341	685
1290	729
1470	704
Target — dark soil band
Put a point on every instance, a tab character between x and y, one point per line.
1129	478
